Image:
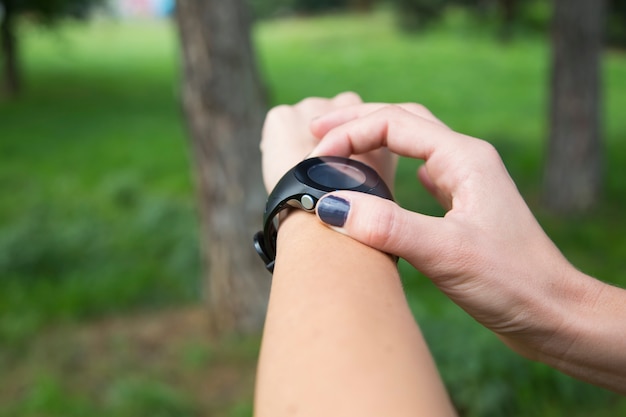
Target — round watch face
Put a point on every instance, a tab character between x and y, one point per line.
330	173
336	175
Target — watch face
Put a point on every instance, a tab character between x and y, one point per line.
330	173
336	175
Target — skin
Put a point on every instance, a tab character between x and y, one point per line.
488	253
339	338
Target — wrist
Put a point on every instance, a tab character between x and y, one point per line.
589	311
548	323
572	303
591	343
301	232
562	320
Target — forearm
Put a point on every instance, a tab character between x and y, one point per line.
573	323
591	341
339	337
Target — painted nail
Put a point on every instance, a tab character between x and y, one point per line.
333	210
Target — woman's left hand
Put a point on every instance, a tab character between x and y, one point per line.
287	138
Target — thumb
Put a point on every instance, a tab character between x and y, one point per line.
384	225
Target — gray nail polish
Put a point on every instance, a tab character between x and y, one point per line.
333	210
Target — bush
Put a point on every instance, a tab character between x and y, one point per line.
128	250
262	9
418	14
616	23
529	15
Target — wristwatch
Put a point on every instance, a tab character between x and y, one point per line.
302	187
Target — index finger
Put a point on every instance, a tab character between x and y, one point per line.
392	126
321	125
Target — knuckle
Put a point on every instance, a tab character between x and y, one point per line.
277	111
311	103
489	150
417	108
484	149
487	153
349	96
393	109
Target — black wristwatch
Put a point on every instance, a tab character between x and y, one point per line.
303	185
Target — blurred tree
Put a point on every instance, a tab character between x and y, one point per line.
271	8
311	6
418	14
616	24
574	165
224	103
43	11
361	5
508	14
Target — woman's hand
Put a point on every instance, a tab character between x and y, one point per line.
488	253
287	139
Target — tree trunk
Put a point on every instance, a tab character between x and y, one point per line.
508	14
361	5
11	82
224	104
574	169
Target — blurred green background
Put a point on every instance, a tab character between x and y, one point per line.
100	309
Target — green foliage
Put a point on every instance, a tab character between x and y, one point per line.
319	5
46	396
144	397
417	14
528	16
124	397
50	10
270	8
97	212
71	267
263	9
616	23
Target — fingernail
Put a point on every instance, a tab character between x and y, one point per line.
333	210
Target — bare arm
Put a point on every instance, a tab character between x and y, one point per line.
340	339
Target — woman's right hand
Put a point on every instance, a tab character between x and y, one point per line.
488	253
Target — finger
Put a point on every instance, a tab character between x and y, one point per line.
402	131
384	225
347	98
316	106
323	124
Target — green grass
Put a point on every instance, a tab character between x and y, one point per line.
97	206
96	212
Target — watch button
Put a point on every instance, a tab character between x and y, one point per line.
307	202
